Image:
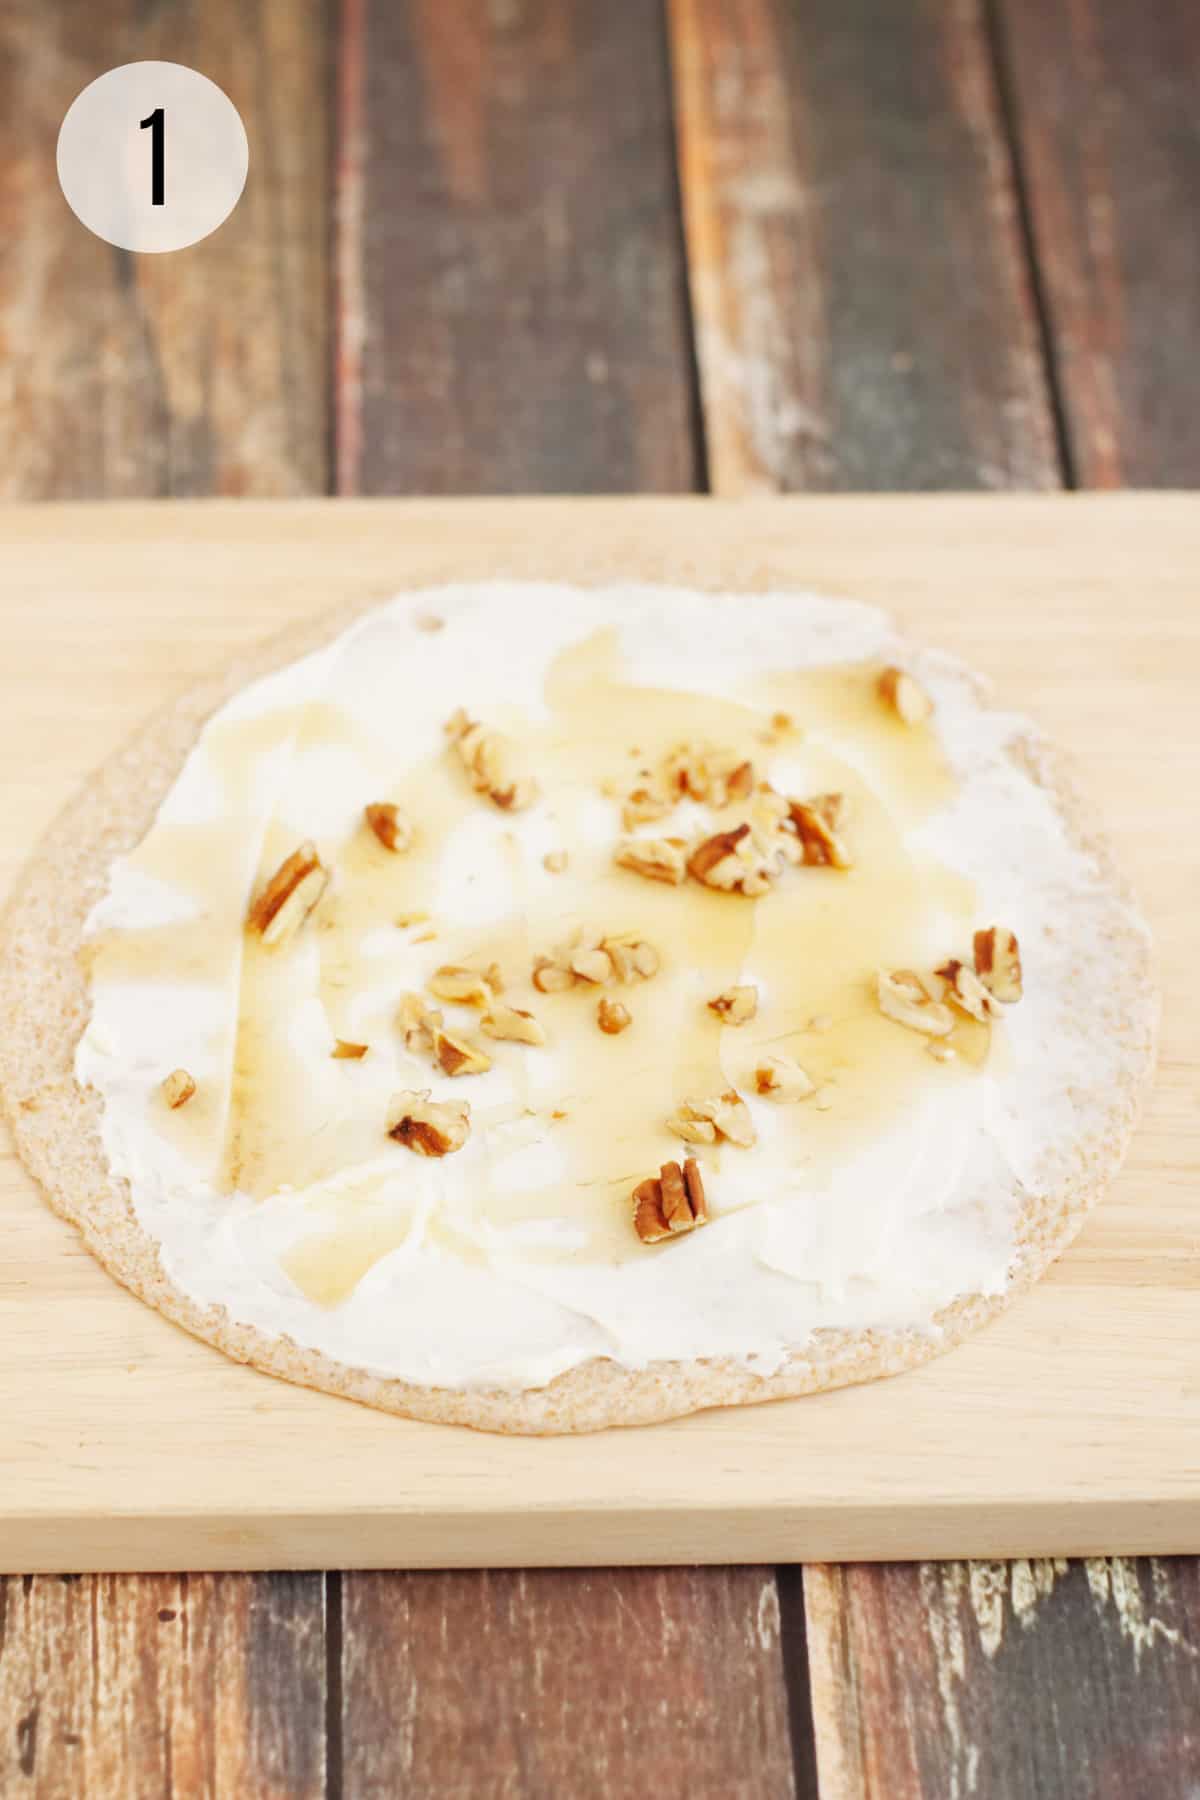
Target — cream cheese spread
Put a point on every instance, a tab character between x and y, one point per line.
276	1193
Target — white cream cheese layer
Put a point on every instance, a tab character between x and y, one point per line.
514	1259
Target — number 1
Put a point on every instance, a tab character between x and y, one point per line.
155	122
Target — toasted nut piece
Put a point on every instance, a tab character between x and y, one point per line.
779	1078
344	1051
817	823
613	1016
466	987
904	997
289	896
458	1055
592	965
906	697
670	1204
491	761
998	962
732	862
417	1023
429	1127
659	859
509	1022
390	826
736	1006
727	1114
967	991
632	957
494	976
550	976
178	1089
642	807
554	861
685	773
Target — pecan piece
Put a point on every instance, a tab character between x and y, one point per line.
390	826
492	762
178	1088
344	1051
817	824
779	1078
736	1006
289	896
723	1115
428	1127
658	859
511	1024
642	807
671	1203
464	987
967	992
632	957
551	976
458	1055
903	996
417	1023
732	862
998	962
613	1017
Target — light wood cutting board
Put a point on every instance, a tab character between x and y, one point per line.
1072	1425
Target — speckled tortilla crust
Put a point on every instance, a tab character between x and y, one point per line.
44	1004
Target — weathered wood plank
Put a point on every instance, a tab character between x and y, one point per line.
587	1683
1103	100
1077	1680
193	373
863	316
188	1686
510	276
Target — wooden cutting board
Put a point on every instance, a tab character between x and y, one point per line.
1072	1425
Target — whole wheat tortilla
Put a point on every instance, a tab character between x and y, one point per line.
44	1004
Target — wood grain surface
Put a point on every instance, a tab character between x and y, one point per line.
863	310
1103	102
197	373
511	284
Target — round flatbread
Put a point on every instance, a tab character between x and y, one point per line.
1105	988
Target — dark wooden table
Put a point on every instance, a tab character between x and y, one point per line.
583	245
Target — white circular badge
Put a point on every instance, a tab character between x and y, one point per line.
152	156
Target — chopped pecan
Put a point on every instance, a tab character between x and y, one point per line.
732	862
344	1051
551	976
736	1006
418	1023
632	957
724	1115
428	1127
998	962
903	996
779	1078
458	1055
390	826
289	896
492	762
178	1088
465	987
817	824
967	991
671	1203
906	697
613	1016
591	964
659	859
512	1024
